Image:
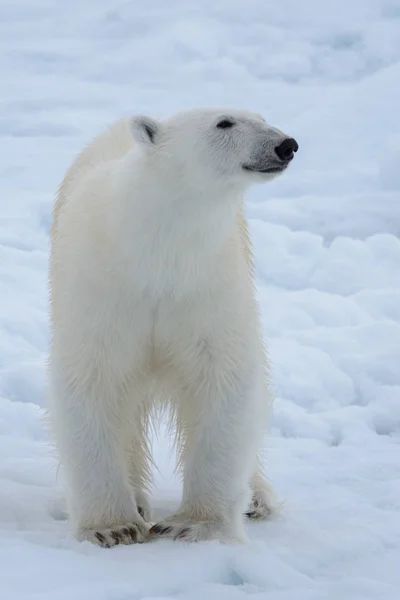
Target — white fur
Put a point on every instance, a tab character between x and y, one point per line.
152	301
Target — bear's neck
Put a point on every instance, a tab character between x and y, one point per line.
172	234
169	208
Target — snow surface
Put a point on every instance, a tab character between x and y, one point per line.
328	258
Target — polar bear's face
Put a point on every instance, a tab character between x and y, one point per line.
213	146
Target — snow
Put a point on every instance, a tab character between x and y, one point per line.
328	272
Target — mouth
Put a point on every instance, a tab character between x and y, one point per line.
276	169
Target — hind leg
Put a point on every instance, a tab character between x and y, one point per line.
263	502
139	458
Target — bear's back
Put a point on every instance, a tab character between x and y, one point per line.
111	144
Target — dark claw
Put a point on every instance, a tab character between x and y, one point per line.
165	530
100	537
160	529
116	536
130	532
182	533
141	511
156	528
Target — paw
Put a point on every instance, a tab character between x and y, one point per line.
194	531
130	533
143	506
145	512
261	505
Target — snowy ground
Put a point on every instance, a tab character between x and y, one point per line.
328	256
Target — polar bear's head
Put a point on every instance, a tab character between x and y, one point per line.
215	146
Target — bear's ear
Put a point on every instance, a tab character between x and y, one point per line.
145	130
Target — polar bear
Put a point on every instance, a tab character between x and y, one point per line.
153	305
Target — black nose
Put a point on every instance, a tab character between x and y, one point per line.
286	149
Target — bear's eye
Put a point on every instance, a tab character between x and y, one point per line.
225	124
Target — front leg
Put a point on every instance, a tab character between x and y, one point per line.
88	421
221	411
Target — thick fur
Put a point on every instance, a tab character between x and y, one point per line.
153	304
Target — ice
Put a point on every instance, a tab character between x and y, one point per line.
327	248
